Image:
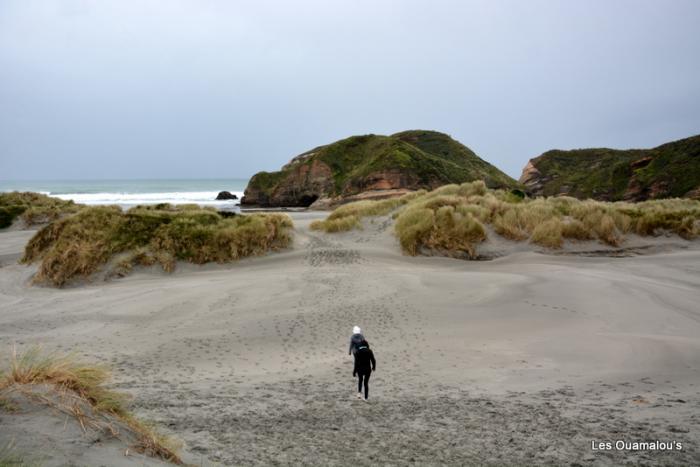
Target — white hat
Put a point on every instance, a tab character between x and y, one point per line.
356	330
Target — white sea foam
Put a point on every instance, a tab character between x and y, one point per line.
204	198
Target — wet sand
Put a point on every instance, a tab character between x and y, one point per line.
525	359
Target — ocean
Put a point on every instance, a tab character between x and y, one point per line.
127	193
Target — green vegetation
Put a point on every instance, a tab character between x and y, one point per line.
669	170
265	182
79	245
430	157
348	216
33	208
10	458
418	158
444	147
454	219
87	381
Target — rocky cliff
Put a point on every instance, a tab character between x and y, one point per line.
669	170
374	164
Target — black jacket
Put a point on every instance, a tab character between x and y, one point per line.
364	361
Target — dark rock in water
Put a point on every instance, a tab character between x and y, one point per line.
225	195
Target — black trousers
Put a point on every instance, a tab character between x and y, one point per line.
363	378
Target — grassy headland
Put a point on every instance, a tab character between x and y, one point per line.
454	219
669	170
412	159
79	245
33	208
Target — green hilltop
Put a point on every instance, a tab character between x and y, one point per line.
667	171
407	160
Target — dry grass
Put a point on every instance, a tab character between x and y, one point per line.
413	228
87	382
33	208
549	233
80	245
510	225
452	219
342	224
348	216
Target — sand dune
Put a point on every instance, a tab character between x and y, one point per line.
523	359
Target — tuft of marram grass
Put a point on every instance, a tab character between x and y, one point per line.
80	245
549	233
88	383
413	227
510	225
341	224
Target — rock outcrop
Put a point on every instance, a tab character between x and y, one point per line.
376	164
223	195
669	170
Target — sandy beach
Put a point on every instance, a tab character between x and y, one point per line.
524	359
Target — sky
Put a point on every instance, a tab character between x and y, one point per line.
113	89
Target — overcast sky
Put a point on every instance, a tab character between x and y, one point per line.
206	88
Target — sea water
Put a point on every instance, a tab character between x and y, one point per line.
127	193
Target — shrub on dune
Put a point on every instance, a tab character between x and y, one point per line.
479	212
535	213
549	233
574	229
563	204
688	228
509	226
413	227
444	229
477	188
341	224
455	232
74	246
80	245
33	208
606	230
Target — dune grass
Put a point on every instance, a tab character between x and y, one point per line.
6	405
10	458
33	208
454	219
349	216
80	245
87	382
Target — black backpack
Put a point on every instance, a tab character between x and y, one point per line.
362	354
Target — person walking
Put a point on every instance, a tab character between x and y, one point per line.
355	340
365	364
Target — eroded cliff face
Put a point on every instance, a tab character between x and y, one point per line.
313	183
383	180
532	178
302	184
